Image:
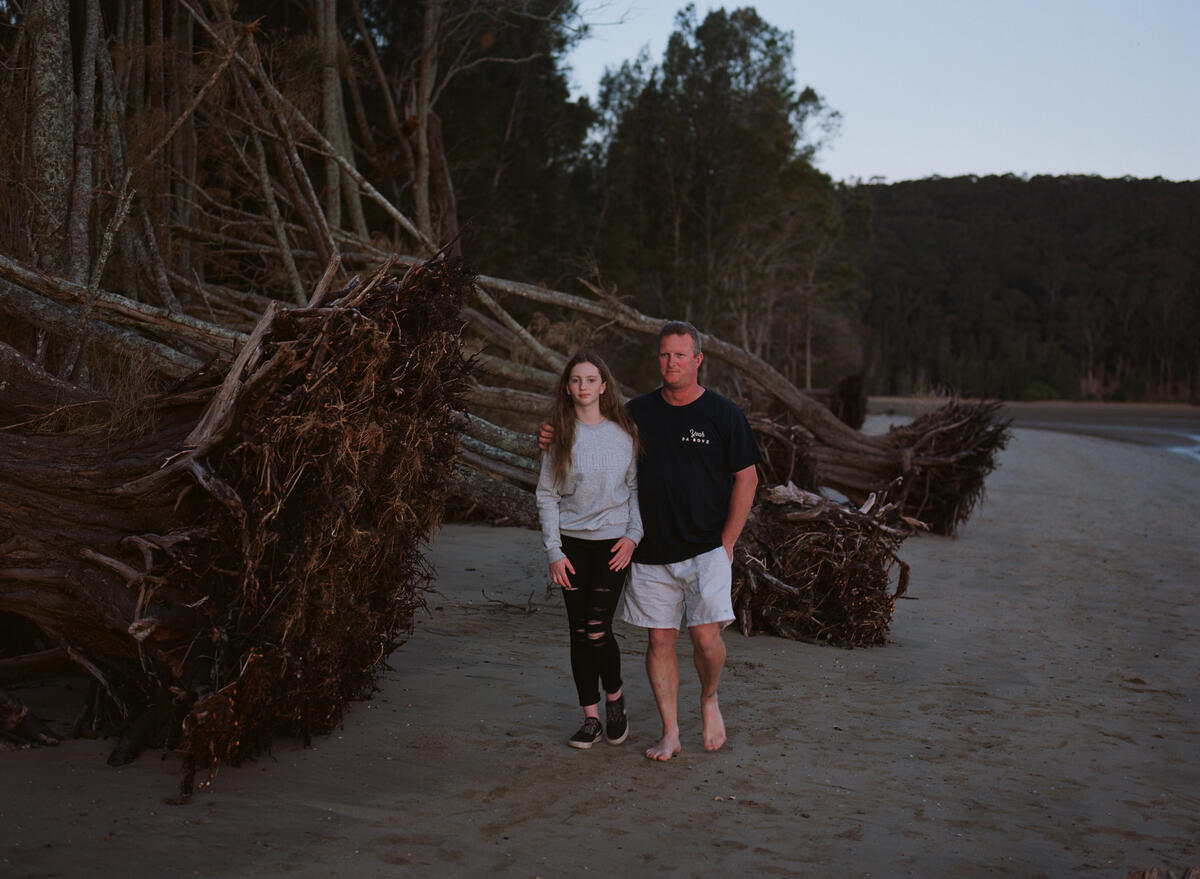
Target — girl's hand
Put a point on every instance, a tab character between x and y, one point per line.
622	552
558	574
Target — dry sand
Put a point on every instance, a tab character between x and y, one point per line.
1038	714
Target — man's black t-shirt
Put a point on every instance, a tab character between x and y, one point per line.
685	474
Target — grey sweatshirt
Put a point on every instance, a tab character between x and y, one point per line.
598	498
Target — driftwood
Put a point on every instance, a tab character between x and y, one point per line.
18	728
237	564
814	570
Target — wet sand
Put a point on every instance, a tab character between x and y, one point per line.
1037	714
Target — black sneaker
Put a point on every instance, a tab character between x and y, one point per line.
617	728
587	735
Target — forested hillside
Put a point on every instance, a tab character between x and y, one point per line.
1076	287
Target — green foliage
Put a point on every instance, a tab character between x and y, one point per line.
516	143
1040	390
712	209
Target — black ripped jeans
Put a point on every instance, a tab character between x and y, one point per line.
595	656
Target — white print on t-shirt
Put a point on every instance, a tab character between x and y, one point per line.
695	436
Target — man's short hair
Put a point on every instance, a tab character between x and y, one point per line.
681	328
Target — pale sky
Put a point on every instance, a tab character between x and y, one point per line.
925	87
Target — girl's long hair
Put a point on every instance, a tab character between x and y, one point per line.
562	416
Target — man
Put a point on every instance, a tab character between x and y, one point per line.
696	483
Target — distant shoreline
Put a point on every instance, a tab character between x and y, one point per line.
1174	426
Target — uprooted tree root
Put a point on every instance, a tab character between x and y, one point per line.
941	459
814	570
246	573
948	454
817	570
337	477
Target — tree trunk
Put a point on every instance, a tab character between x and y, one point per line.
422	108
51	130
81	193
331	103
444	187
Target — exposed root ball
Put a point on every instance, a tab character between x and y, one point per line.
815	570
329	481
952	450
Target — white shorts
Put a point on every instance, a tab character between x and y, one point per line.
695	590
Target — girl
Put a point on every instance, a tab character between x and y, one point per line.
587	503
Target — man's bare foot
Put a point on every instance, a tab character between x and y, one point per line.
714	723
668	746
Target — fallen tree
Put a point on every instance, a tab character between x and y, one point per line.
236	564
941	458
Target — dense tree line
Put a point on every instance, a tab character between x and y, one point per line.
1076	287
205	157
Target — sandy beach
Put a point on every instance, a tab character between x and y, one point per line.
1037	714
